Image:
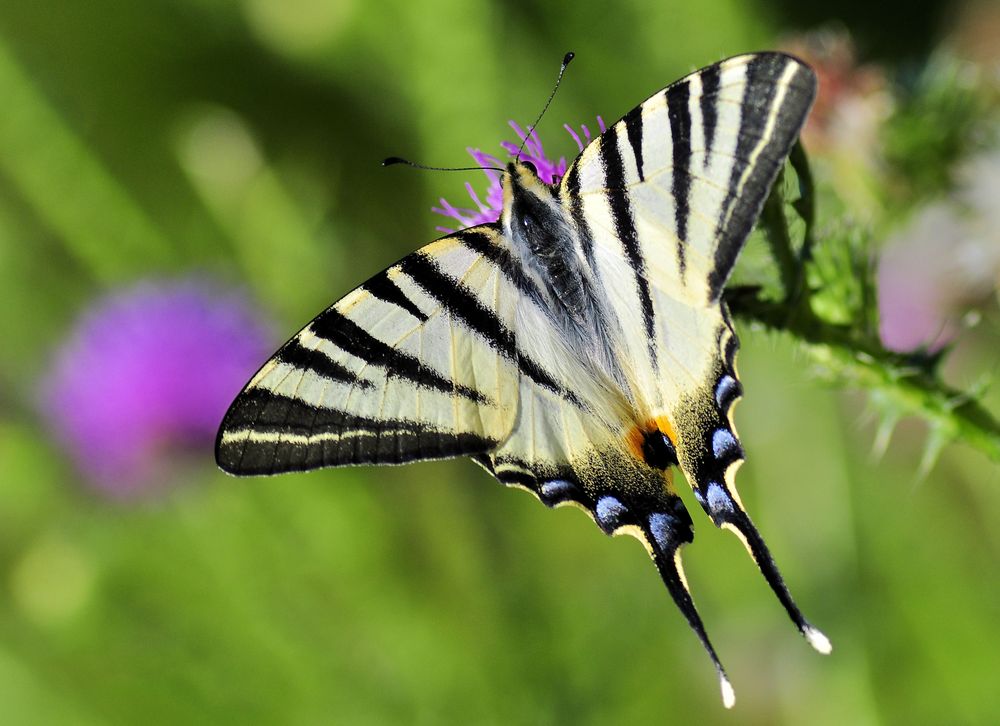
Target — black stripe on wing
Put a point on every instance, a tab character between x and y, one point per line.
337	328
743	204
382	287
679	113
621	214
633	131
484	244
464	305
268	433
575	202
295	354
710	78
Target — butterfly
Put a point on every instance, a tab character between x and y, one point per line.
579	347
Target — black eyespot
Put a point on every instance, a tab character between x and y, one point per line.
658	450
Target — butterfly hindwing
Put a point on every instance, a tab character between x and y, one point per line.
565	455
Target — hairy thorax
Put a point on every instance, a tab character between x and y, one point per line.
544	238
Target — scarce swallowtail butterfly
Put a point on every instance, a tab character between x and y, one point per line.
579	347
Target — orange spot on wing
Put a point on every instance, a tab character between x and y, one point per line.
636	436
664	426
634	439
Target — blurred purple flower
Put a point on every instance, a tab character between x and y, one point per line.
548	170
147	371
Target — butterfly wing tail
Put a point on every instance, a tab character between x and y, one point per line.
712	480
623	497
728	514
665	533
710	455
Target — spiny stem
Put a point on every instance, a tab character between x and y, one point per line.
853	353
867	364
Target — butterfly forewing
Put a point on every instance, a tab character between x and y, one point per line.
664	201
680	180
405	367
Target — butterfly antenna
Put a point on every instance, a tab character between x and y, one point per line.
393	160
531	129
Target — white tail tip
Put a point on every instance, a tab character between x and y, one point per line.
728	694
817	640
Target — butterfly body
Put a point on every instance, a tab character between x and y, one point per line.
579	347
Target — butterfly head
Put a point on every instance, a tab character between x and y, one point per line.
526	196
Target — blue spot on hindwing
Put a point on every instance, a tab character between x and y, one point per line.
556	490
661	526
609	511
719	501
724	444
726	390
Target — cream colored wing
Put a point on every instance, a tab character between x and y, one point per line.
663	203
419	362
665	199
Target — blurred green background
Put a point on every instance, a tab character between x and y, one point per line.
242	139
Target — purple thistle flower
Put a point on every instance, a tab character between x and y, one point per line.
549	171
146	371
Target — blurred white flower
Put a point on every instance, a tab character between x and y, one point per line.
843	130
946	259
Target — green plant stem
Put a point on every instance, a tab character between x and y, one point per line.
863	362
